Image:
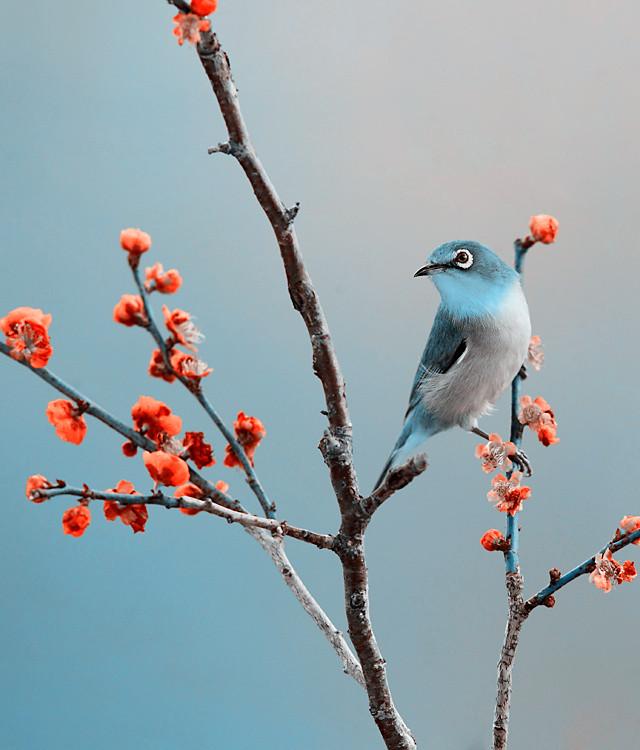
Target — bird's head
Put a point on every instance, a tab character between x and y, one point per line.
471	279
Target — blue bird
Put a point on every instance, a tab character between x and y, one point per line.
477	345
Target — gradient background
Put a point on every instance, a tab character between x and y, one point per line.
398	126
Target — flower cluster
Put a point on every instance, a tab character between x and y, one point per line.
157	280
26	331
249	432
539	417
608	571
76	520
629	524
189	26
130	311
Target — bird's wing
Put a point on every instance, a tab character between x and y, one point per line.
445	347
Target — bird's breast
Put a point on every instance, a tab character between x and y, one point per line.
496	349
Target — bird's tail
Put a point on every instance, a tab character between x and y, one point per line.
411	439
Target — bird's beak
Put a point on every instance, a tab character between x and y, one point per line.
429	269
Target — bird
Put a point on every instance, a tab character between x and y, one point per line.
478	344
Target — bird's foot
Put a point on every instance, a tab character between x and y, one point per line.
521	460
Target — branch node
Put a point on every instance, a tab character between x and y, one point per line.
291	213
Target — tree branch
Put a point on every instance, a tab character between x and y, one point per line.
207	505
517	616
394	481
542	597
336	444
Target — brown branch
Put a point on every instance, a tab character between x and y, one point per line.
336	444
394	481
517	616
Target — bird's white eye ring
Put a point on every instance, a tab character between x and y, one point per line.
463	259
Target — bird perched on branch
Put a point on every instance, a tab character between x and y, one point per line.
477	345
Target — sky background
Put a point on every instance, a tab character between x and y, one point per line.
398	126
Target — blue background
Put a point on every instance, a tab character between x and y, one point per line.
398	126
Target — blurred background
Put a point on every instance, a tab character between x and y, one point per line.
398	126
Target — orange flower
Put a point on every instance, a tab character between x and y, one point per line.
189	26
547	435
69	423
191	490
495	453
507	494
157	367
37	482
130	311
493	541
629	524
182	327
155	418
166	468
27	335
543	228
159	281
200	453
135	241
249	432
75	520
535	354
135	516
204	7
189	366
608	571
129	449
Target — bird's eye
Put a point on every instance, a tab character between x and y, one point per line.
463	259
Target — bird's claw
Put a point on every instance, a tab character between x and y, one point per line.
521	460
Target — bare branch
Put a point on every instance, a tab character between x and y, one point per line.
275	549
206	505
394	481
517	616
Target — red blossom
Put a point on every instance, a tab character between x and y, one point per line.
200	452
160	281
135	515
189	366
495	453
189	26
157	367
135	241
629	524
155	418
543	228
69	423
27	335
75	520
204	7
130	311
36	482
181	325
493	541
165	468
508	494
249	432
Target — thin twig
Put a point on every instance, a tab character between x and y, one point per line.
207	505
585	567
394	481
